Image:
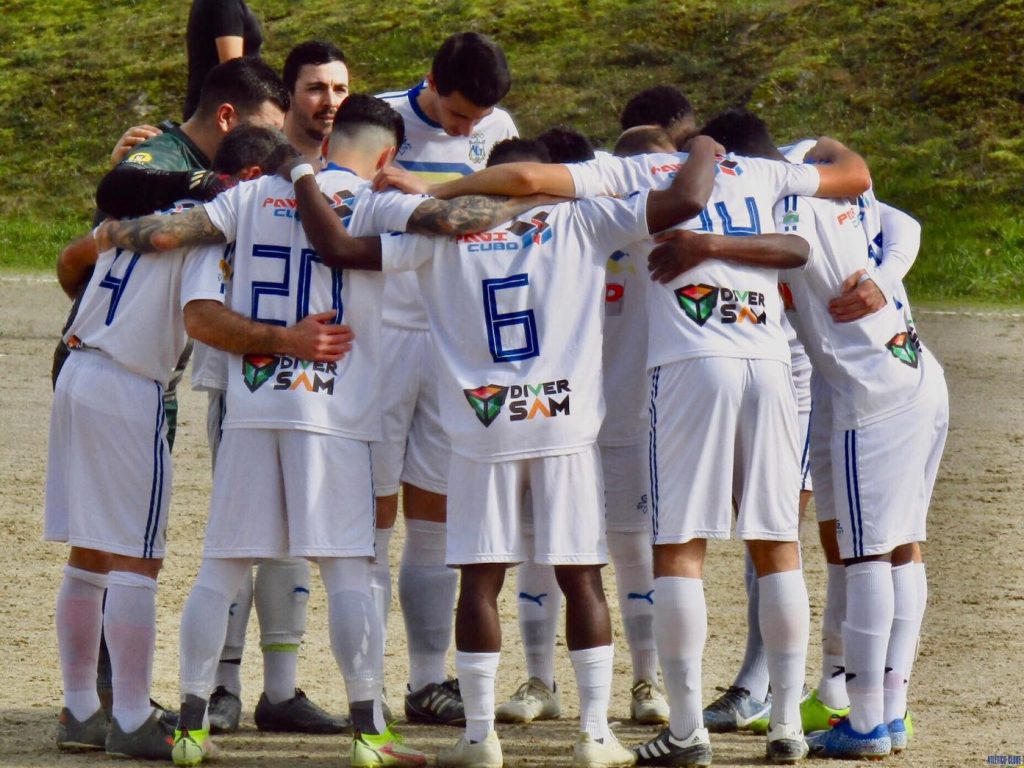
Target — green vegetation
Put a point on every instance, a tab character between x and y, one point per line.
930	92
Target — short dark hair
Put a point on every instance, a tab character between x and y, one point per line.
741	132
641	139
661	105
475	66
245	84
518	150
566	145
314	52
362	109
248	145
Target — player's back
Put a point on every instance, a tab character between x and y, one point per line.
131	309
517	316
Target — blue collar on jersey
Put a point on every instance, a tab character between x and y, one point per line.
414	94
336	167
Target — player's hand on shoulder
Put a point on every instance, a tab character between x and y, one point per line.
697	140
132	138
825	151
859	298
394	177
678	250
319	339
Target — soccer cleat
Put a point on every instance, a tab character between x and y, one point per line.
843	742
297	715
225	711
150	741
436	703
606	753
786	746
472	754
533	700
191	747
648	705
90	733
666	749
900	731
386	748
815	715
733	710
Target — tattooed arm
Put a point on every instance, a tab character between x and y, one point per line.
471	213
338	249
159	233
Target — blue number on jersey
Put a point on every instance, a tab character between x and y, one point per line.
117	284
306	260
496	321
268	287
729	227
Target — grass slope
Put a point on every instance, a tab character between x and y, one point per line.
929	92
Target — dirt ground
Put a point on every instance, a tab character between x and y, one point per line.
966	683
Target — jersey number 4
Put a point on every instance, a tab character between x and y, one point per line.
503	326
116	284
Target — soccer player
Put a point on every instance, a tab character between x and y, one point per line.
217	31
109	471
305	426
316	77
663	106
522	401
451	124
887	398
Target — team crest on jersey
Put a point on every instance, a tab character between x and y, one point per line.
406	146
536	231
902	346
342	203
140	157
477	148
697	301
729	167
257	370
486	402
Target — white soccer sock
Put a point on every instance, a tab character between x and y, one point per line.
634	579
832	684
79	624
785	618
229	670
380	576
593	667
540	602
129	625
204	622
906	628
281	597
426	589
681	629
869	611
753	674
356	632
476	673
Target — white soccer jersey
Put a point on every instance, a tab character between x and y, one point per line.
717	309
517	314
430	152
875	365
279	279
132	307
625	349
209	365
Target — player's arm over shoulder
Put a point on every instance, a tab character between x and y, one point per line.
75	263
147	234
842	172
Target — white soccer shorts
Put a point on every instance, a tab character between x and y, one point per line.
415	448
883	475
723	429
625	488
290	493
493	505
108	476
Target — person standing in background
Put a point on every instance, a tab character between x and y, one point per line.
218	31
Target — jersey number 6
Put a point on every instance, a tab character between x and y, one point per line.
502	321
